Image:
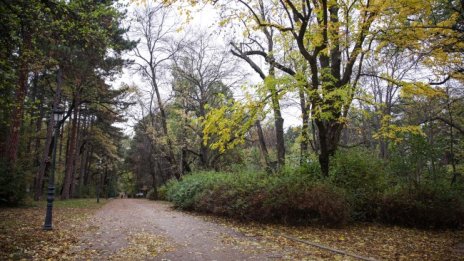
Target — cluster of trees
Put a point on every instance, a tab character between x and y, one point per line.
56	57
384	75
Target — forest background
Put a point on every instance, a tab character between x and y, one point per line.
373	91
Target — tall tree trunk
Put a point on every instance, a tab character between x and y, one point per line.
33	111
48	142
262	144
12	141
279	128
152	170
38	127
87	167
82	153
304	127
204	154
82	170
329	137
164	125
71	155
184	168
383	148
76	157
278	120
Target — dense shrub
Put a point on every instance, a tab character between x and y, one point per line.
362	174
12	185
288	197
360	187
427	206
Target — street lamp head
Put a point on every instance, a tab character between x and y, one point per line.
58	113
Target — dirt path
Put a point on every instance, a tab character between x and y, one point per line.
138	229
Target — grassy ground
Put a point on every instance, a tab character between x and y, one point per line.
22	237
89	203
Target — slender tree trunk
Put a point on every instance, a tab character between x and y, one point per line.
164	125
383	148
451	144
38	126
279	125
304	127
33	111
82	170
82	153
278	120
153	172
106	183
71	155
262	144
76	158
87	167
184	168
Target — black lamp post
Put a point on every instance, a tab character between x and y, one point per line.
57	117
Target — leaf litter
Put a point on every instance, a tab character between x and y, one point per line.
370	240
22	237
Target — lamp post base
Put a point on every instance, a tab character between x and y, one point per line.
49	214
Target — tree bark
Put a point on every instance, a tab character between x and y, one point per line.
12	141
76	163
329	137
82	153
304	127
71	154
262	144
164	125
48	143
278	120
87	167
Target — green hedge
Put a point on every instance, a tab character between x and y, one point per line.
360	187
257	196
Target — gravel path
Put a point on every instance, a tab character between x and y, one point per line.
138	229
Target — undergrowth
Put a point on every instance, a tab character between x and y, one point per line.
355	190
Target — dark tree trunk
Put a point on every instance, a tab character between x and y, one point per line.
153	171
75	178
278	120
262	144
279	125
82	153
71	153
204	155
12	141
87	167
185	165
171	158
48	143
38	126
304	127
33	111
329	137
